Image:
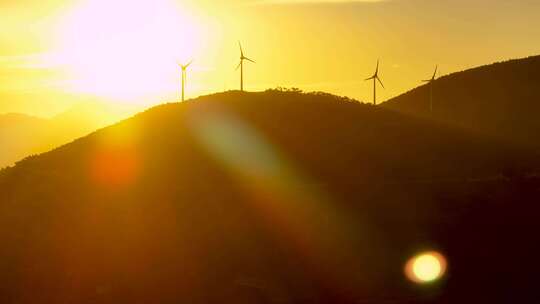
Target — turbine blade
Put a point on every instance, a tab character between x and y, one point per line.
187	65
241	50
380	82
435	73
377	69
370	78
238	65
249	59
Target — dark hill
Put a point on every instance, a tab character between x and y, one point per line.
274	197
502	99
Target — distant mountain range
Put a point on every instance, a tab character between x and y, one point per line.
23	135
500	100
272	197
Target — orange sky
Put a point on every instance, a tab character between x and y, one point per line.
59	52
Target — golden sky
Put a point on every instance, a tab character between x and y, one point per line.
56	53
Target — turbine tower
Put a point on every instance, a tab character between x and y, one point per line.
241	66
430	83
184	69
375	78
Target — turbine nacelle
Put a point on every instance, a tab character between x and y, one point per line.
185	66
242	57
432	77
375	76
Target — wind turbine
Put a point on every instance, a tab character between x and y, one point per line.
184	69
241	66
430	83
375	78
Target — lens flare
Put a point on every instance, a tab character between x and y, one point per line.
288	201
426	267
114	167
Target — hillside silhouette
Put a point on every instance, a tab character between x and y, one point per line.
500	100
272	197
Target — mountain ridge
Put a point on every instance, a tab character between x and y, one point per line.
499	100
270	197
392	121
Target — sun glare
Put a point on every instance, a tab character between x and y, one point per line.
426	267
127	49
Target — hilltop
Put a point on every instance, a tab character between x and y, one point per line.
501	100
271	197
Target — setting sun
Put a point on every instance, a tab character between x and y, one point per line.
129	56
